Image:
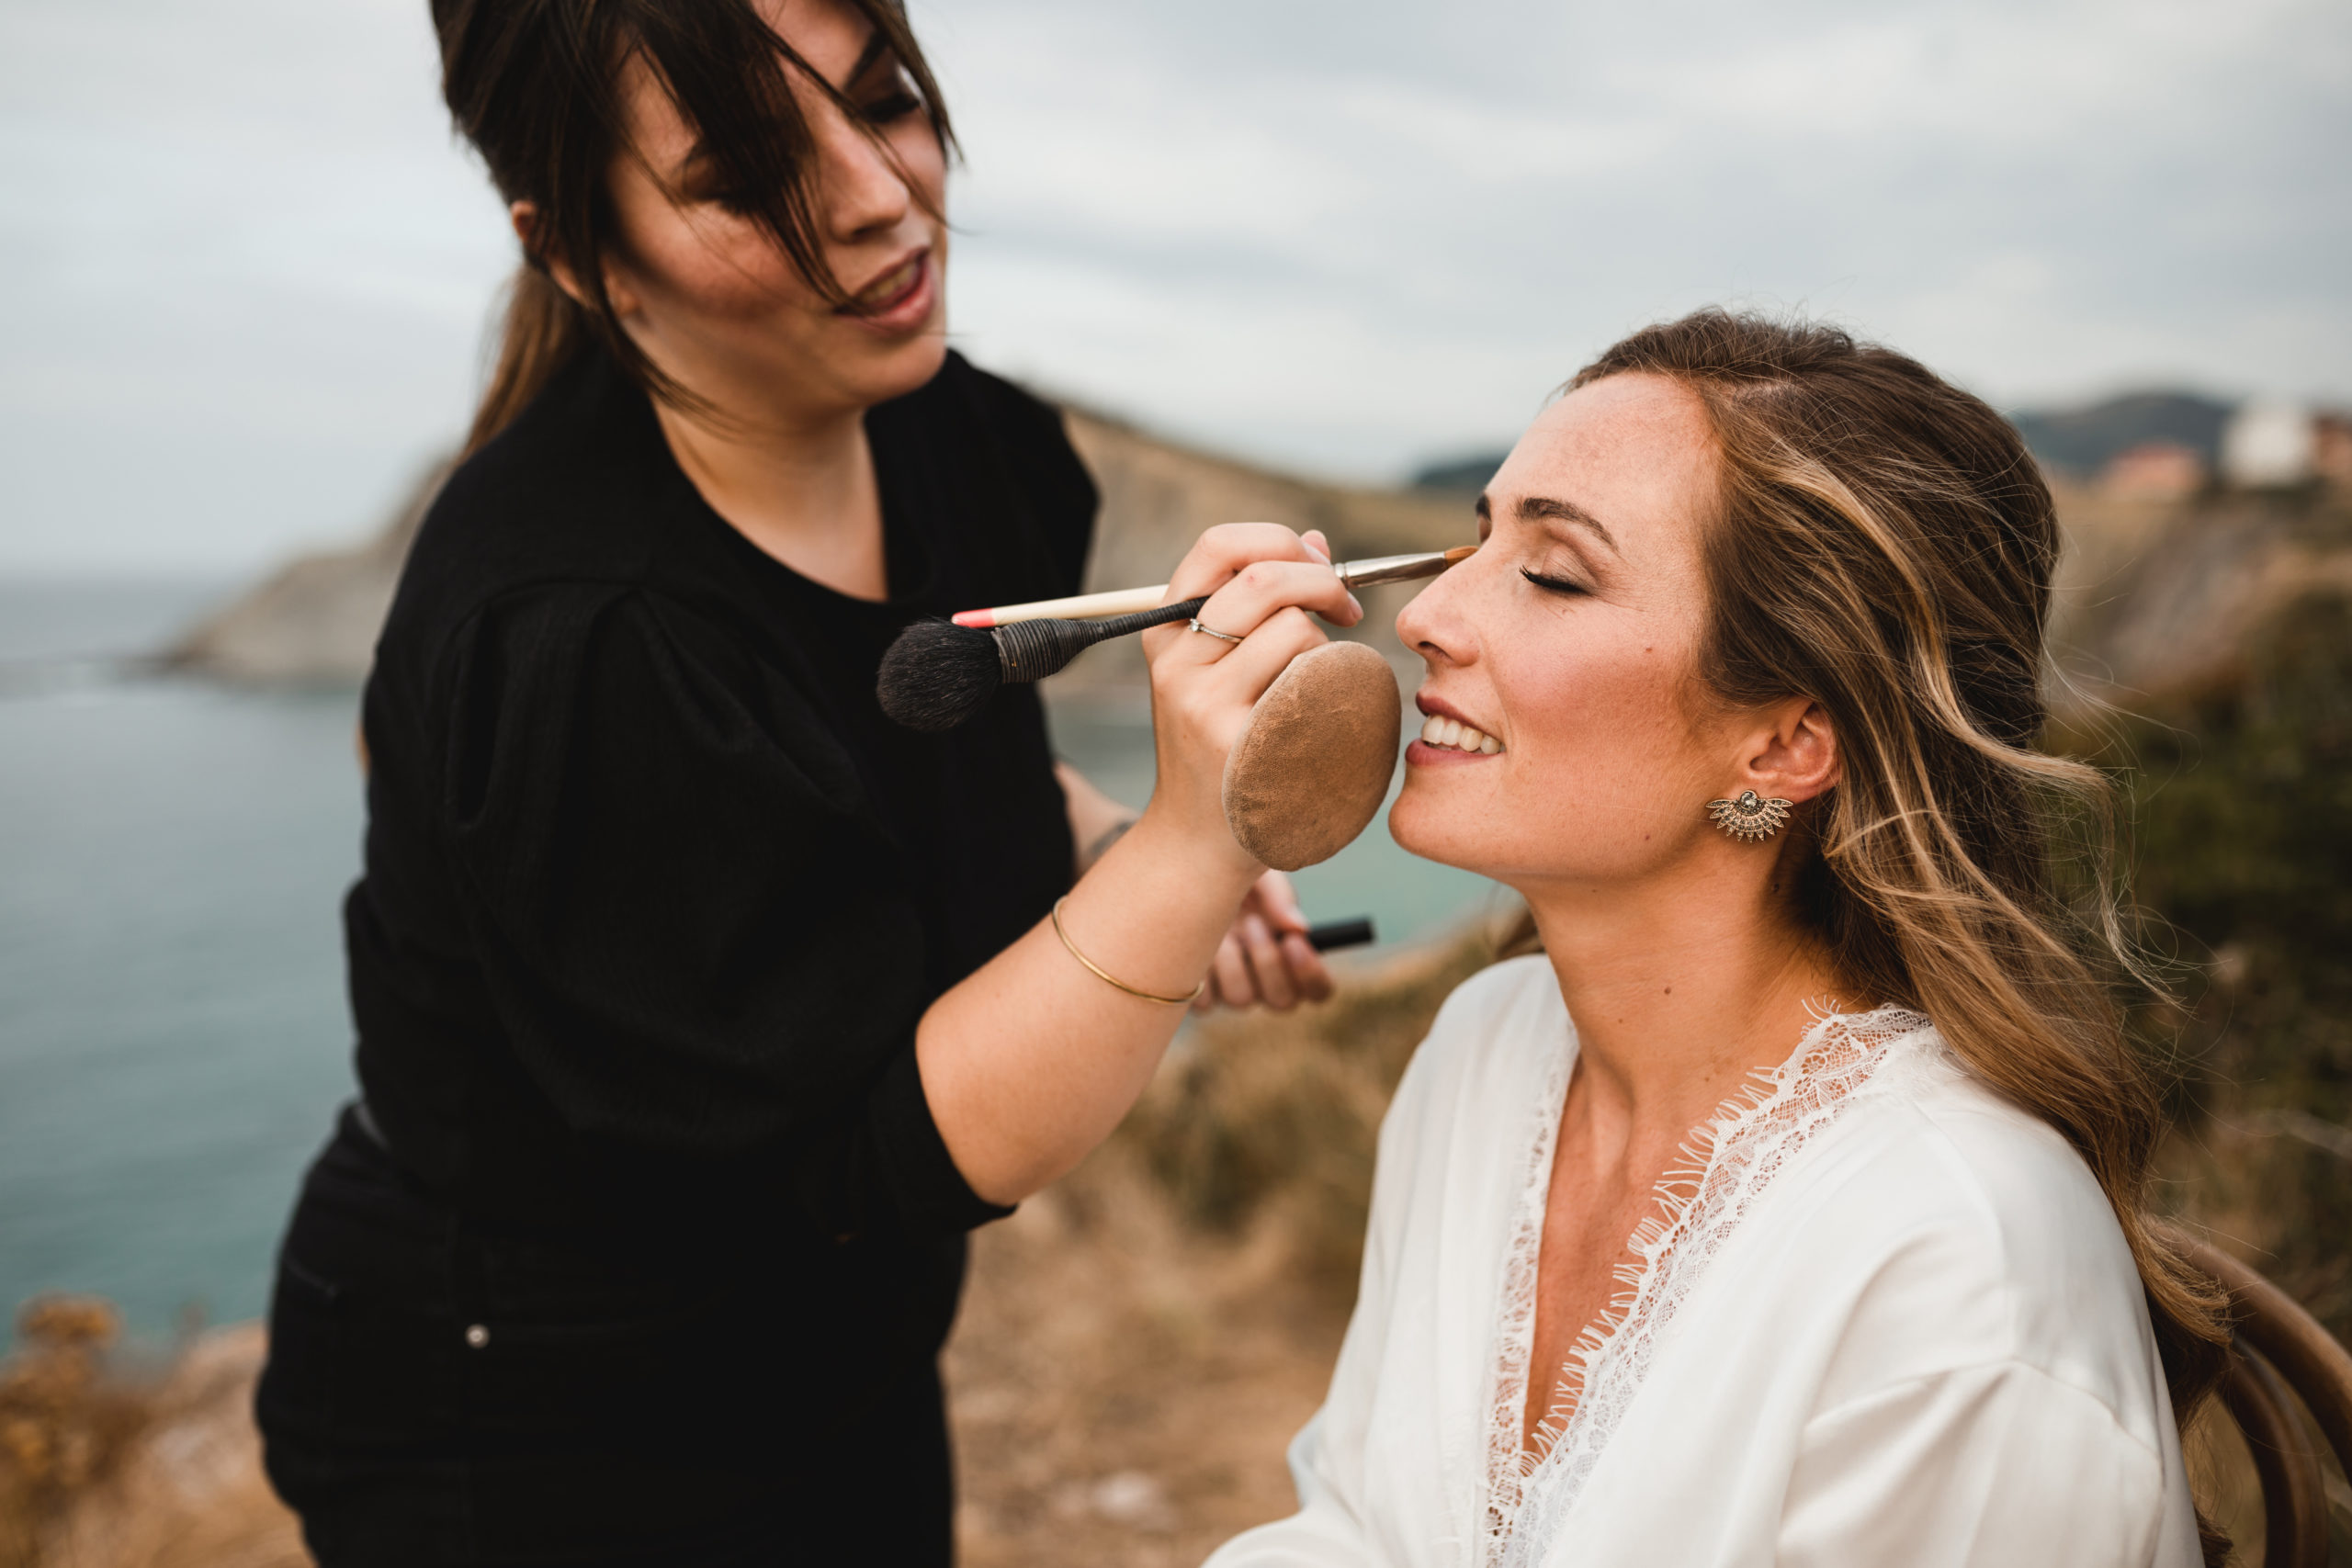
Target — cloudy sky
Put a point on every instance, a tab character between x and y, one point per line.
248	272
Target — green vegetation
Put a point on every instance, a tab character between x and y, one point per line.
2243	804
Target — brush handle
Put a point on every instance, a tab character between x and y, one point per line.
1341	934
1126	601
1078	606
1110	626
1031	650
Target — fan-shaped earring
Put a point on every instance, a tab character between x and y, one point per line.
1751	818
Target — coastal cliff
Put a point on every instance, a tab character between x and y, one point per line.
315	621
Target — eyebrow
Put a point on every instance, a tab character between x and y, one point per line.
1547	509
876	46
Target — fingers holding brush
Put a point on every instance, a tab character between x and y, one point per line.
1266	589
1284	568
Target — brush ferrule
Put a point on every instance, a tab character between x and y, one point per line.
1031	650
1391	569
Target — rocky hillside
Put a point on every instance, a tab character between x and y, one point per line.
314	622
2160	597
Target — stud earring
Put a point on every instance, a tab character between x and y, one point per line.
1751	818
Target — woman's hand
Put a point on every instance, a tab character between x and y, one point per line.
1265	957
1262	580
1032	1059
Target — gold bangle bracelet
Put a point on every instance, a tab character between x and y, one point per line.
1099	972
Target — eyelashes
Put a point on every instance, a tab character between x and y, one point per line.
893	108
1552	584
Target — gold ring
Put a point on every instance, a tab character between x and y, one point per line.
1221	637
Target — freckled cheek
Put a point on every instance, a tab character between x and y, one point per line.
1606	727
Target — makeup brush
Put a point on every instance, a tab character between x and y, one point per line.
1354	574
939	673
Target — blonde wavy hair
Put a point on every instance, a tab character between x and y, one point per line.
1885	547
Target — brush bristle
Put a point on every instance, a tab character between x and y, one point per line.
938	674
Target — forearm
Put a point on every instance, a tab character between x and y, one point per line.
1032	1060
1094	817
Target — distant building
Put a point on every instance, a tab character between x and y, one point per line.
2270	443
2153	470
2332	447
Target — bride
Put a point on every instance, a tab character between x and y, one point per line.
1785	1208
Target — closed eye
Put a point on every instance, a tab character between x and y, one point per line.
1552	584
891	106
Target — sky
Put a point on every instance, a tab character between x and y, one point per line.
249	270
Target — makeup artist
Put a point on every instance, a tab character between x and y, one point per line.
702	1012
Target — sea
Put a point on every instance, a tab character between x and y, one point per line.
173	1036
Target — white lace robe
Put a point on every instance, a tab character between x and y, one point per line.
1882	1317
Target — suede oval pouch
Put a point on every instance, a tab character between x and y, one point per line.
1309	772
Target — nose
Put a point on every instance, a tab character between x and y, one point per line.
864	192
1435	623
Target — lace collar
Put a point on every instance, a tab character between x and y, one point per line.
1727	1162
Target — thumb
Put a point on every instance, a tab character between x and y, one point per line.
1280	901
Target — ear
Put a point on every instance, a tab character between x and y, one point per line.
1796	758
524	217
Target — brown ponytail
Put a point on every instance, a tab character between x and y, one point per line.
542	330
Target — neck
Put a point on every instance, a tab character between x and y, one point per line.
1680	987
800	488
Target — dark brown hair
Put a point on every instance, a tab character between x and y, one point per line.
1885	547
534	84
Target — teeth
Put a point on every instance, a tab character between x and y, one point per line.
881	289
1439	730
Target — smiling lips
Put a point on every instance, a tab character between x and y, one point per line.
891	289
1440	731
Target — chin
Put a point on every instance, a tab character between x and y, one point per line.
919	359
1419	827
904	367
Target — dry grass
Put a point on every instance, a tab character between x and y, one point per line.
106	1464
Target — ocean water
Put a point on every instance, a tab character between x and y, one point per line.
174	1038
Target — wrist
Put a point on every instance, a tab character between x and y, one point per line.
1210	860
1090	855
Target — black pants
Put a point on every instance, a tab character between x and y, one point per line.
436	1395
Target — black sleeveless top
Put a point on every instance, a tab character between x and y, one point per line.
650	1210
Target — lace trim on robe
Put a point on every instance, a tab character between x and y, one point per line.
1726	1163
